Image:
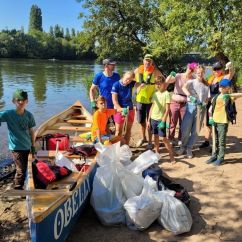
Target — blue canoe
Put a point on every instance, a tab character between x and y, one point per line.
54	211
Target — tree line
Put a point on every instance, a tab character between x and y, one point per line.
57	43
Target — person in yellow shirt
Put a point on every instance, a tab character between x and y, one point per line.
221	113
145	77
99	130
158	114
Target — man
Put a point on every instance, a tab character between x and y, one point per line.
103	83
145	76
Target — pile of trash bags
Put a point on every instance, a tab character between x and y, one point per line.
122	196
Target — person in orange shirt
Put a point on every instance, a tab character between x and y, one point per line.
99	130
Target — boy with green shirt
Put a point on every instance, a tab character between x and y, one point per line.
158	115
20	123
219	118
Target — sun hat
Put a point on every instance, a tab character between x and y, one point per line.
225	83
20	94
148	57
109	61
217	66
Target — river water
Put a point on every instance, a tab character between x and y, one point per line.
51	85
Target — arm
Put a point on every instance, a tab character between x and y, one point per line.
92	92
166	113
185	90
231	71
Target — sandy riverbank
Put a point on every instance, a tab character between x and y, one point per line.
216	205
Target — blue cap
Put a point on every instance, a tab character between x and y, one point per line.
225	83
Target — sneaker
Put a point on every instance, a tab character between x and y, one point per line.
217	162
180	151
141	142
149	146
205	144
189	154
211	159
179	143
173	142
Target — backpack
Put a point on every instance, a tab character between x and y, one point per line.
84	151
45	173
230	109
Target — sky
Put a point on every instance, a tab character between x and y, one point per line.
15	13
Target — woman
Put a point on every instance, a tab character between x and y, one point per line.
179	100
198	93
122	98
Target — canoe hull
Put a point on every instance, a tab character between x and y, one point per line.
57	225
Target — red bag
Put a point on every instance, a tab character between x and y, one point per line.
51	141
45	173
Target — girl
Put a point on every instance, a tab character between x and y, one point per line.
198	93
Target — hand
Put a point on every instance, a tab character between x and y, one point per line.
173	73
211	122
148	124
124	111
202	105
226	96
161	125
32	150
193	99
228	66
93	104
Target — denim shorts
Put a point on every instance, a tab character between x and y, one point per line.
142	112
155	130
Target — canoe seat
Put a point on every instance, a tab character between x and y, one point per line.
78	121
69	128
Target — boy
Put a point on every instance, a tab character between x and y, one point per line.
99	131
158	114
20	124
219	118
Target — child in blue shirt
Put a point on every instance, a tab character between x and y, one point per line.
20	124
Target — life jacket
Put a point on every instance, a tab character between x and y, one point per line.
230	108
150	71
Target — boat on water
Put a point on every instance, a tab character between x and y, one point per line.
53	211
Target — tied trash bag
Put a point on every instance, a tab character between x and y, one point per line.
125	155
174	215
144	161
62	161
108	197
143	210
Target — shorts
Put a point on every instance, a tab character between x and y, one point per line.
119	118
142	111
155	130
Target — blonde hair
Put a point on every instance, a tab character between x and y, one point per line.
130	72
100	99
203	68
160	79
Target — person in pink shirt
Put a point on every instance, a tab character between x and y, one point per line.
178	100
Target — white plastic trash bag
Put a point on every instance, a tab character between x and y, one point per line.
108	154
107	196
132	184
125	155
61	160
143	210
142	162
174	215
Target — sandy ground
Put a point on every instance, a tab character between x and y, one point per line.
216	205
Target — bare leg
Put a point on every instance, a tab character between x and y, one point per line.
128	133
143	128
156	141
169	149
208	133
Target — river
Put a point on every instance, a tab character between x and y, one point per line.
52	86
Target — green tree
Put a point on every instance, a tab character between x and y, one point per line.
73	33
58	31
120	28
35	19
51	31
67	35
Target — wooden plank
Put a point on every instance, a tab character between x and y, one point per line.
77	139
69	128
52	153
76	121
